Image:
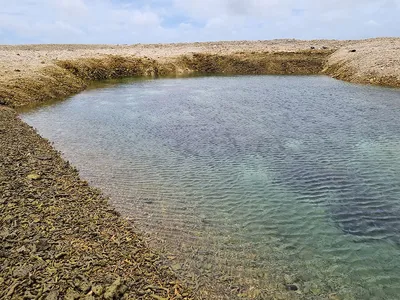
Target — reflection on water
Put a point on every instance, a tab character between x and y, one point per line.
270	180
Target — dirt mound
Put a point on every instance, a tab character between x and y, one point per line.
373	61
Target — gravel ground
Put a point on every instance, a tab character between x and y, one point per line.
59	238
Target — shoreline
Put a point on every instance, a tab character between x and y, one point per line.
60	237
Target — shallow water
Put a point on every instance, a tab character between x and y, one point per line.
269	179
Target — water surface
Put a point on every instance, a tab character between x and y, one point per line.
269	179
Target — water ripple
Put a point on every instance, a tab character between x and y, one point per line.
263	177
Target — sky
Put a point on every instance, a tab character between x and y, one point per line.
161	21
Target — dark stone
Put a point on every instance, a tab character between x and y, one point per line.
4	254
353	50
291	287
148	201
42	245
22	271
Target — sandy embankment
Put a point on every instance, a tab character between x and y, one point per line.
376	61
58	236
38	73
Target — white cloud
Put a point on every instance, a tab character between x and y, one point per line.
74	6
132	21
372	23
135	17
65	27
234	8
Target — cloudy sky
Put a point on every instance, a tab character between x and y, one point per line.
148	21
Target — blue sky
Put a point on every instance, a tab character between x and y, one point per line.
157	21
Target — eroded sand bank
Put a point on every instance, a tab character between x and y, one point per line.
36	73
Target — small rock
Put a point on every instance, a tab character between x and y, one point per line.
28	295
353	50
42	245
315	291
291	287
123	289
312	47
98	290
53	295
60	255
33	176
288	279
176	267
113	290
333	296
44	157
22	271
22	249
307	287
12	288
324	47
72	295
83	286
17	70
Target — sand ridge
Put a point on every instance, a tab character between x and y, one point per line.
375	61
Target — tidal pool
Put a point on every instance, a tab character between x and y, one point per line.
263	180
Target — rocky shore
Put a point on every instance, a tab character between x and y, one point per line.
60	239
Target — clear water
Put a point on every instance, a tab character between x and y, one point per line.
269	179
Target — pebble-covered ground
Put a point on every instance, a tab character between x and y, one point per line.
59	239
